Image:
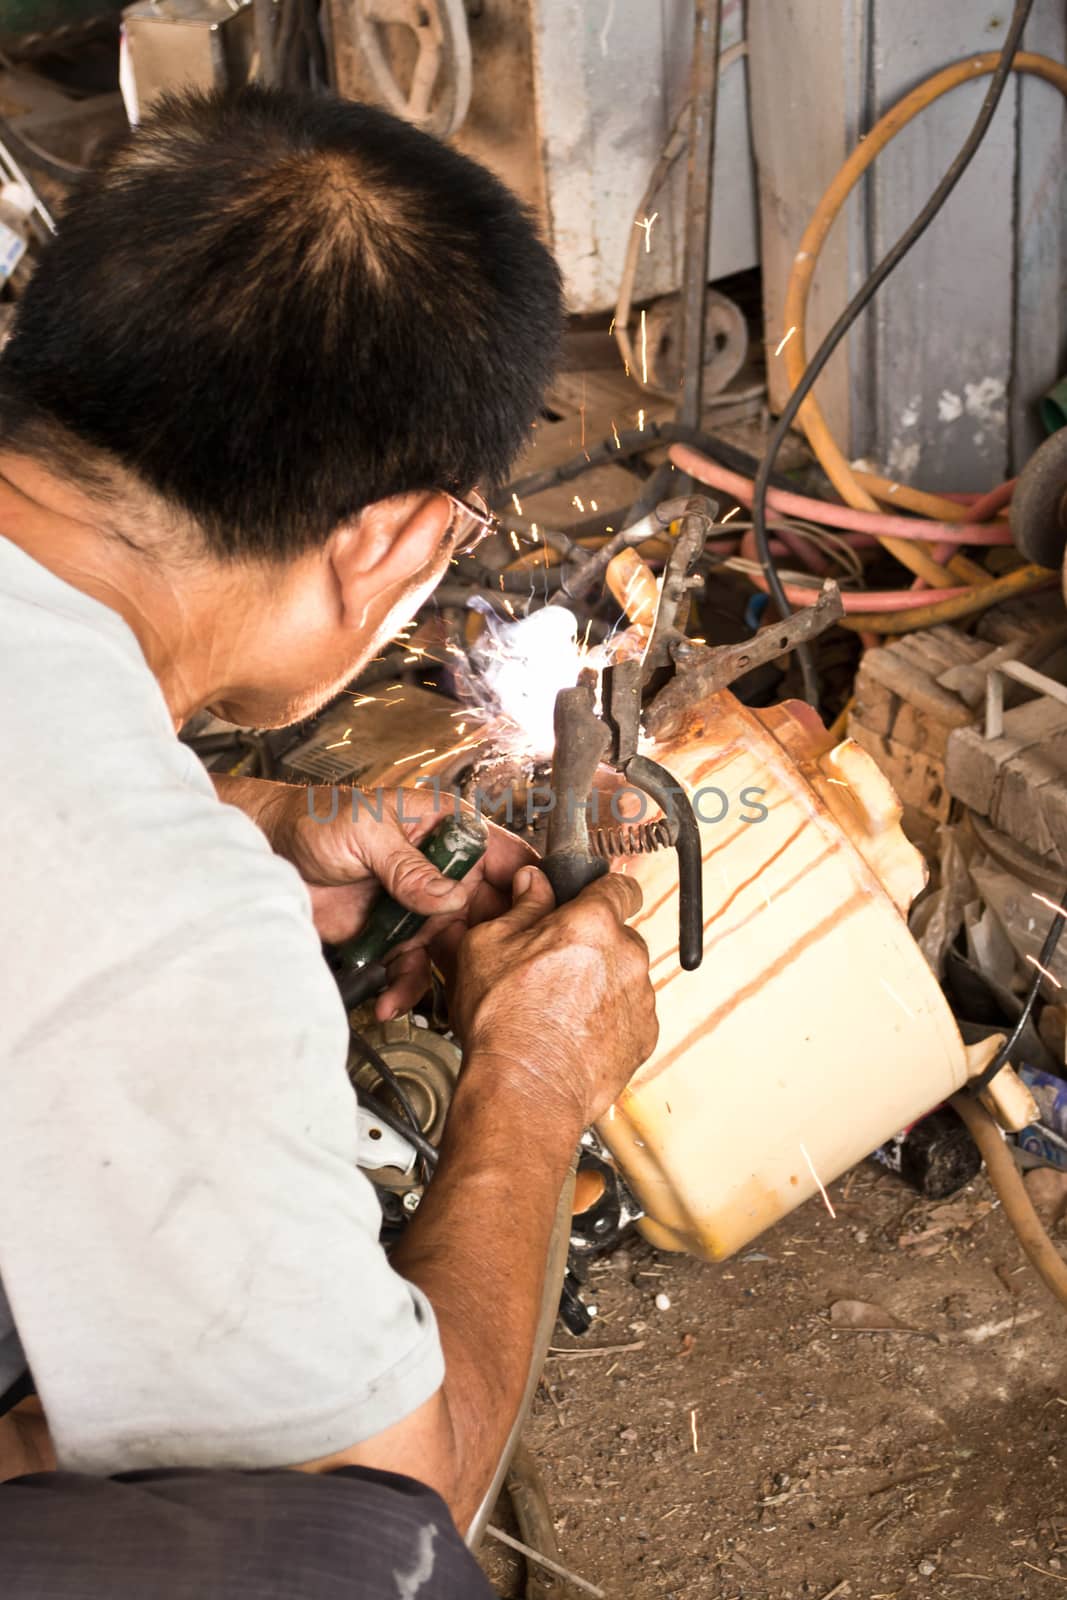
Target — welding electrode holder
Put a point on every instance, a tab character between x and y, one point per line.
586	741
454	847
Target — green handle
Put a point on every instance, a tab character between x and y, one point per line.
453	848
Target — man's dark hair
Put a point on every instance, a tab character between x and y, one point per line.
275	309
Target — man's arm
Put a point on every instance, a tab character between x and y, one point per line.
556	1012
371	843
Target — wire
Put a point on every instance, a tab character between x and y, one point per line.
1008	1048
420	1143
855	306
410	1126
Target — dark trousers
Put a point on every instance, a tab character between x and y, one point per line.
353	1534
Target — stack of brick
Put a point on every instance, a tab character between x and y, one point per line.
903	714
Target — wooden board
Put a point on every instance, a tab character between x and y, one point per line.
1019	781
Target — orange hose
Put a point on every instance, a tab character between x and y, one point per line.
1018	1207
847	482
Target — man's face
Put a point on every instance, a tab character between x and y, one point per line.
311	646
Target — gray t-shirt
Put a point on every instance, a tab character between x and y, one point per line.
188	1254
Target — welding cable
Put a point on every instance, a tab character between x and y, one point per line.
420	1144
409	1126
1011	1191
795	310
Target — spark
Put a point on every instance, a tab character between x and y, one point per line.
1051	976
534	532
338	745
454	750
891	991
839	781
611	327
646	223
517	503
609	530
644	348
368	700
509	608
577	501
414	756
730	514
462	729
693	1430
626	368
593	506
346	733
515	540
1045	901
641	420
615	435
458	714
414	657
785	340
394	688
583	648
819	1183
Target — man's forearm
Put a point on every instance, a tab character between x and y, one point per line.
258	798
478	1248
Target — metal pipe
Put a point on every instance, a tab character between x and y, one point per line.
699	180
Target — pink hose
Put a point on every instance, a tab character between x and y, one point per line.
875	523
877	600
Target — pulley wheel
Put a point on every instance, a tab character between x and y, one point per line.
438	95
1039	504
725	343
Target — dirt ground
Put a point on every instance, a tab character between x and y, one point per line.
737	1444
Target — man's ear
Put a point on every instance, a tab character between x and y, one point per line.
386	547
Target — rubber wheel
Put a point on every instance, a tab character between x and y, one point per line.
1039	504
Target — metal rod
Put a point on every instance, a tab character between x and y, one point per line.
700	170
543	1561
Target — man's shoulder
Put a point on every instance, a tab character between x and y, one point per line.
116	848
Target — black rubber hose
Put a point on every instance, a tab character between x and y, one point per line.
859	302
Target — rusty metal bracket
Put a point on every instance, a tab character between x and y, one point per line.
704	670
697	514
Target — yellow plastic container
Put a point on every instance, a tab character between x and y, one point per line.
814	1030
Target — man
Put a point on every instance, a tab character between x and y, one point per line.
276	346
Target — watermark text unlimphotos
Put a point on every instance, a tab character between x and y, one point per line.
624	806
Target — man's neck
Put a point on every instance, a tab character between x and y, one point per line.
61	528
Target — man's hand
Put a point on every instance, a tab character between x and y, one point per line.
556	1012
371	846
559	1000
